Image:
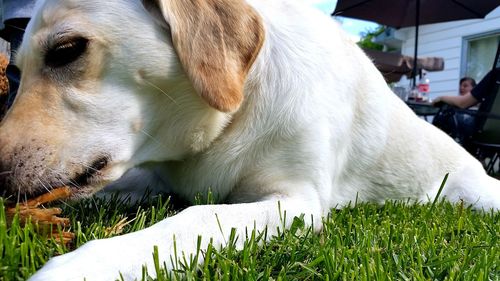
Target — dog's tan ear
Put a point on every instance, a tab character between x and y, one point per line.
217	42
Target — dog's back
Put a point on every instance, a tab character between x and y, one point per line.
314	94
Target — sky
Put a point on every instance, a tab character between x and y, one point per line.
352	26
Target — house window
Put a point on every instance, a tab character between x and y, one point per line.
480	53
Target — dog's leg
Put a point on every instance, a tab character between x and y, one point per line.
135	184
105	259
473	186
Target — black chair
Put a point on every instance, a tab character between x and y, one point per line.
478	131
485	142
481	137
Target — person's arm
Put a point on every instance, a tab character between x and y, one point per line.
464	101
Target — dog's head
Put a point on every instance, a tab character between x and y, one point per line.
107	85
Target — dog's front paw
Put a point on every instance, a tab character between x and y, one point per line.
94	261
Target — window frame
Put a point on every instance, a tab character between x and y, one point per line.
465	47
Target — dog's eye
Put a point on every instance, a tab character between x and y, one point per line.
66	52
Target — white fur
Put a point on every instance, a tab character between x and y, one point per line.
318	128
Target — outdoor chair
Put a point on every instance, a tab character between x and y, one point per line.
485	142
483	138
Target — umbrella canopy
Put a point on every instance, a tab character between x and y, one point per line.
405	13
393	66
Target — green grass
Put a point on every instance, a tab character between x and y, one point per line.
396	241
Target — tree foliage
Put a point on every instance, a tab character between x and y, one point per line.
366	41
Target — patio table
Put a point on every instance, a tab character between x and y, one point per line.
423	108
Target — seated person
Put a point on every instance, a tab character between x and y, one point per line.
462	125
464	99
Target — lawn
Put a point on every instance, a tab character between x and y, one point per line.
396	241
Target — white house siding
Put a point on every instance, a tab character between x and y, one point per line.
446	40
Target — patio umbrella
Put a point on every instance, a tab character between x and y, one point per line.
393	66
405	13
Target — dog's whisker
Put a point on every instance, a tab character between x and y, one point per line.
43	185
16	27
62	184
59	180
77	186
18	195
89	167
162	91
5	173
61	176
50	191
152	138
71	182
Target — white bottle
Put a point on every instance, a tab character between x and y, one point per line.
423	87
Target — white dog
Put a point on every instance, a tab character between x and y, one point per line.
260	101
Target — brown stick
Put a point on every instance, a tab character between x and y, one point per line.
48	217
55	194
